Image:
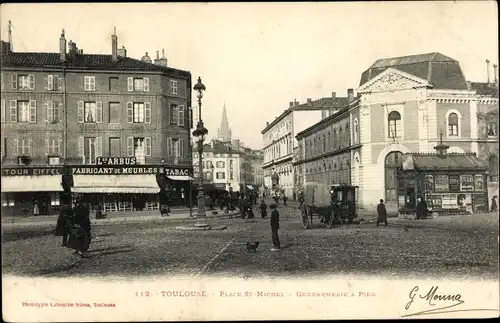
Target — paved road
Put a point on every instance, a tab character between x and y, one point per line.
466	247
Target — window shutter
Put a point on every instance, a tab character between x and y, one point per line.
181	148
49	109
180	117
130	146
32	111
16	146
130	112
80	112
14	81
3	111
50	82
130	84
59	146
174	114
30	147
147	146
190	112
146	84
47	144
92	83
56	83
98	118
98	146
169	147
57	112
86	83
147	112
81	145
32	81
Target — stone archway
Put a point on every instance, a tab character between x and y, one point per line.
388	177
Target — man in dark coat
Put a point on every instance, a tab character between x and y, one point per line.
275	225
382	213
64	223
421	209
81	231
263	209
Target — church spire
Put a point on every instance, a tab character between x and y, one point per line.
224	132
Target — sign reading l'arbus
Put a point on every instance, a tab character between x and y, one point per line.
118	161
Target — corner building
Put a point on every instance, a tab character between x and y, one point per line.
81	110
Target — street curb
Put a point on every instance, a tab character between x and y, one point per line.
207	228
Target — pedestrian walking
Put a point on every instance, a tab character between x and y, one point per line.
263	209
494	206
63	224
80	236
275	225
294	195
36	208
421	210
382	213
284	199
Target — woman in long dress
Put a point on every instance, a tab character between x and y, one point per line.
80	232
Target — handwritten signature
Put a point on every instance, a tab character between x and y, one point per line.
433	298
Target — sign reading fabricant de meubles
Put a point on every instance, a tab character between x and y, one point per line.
31	171
135	170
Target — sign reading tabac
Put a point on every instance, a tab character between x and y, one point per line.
176	171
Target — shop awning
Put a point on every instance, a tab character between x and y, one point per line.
39	183
180	178
145	184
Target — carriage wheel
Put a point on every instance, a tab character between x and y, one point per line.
331	220
305	217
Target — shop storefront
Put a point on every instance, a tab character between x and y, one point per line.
31	190
450	184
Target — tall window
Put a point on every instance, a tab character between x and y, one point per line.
356	131
140	150
53	111
453	124
491	128
174	114
114	112
139	112
173	86
89	112
53	146
138	84
23	111
114	147
493	170
392	161
394	119
89	150
23	146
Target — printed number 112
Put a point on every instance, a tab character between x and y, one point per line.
142	294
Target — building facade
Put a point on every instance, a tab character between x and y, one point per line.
404	105
280	142
83	110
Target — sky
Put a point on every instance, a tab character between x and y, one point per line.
257	57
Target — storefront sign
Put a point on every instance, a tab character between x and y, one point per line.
454	183
449	201
479	183
176	171
220	186
441	183
31	171
125	161
137	170
466	183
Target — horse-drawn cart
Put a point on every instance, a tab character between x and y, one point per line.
333	204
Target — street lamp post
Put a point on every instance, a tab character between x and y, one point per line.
200	132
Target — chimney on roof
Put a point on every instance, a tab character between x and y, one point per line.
163	60
5	48
72	48
62	47
122	52
334	95
488	70
350	94
157	59
495	73
114	46
292	104
296	102
267	123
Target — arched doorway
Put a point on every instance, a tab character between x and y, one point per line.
393	160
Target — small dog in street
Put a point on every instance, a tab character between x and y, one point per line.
253	246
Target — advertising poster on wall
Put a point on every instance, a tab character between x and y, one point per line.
479	183
441	183
437	201
454	183
449	201
429	183
466	183
479	203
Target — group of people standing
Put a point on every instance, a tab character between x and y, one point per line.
73	225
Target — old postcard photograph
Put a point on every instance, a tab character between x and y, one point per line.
249	161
